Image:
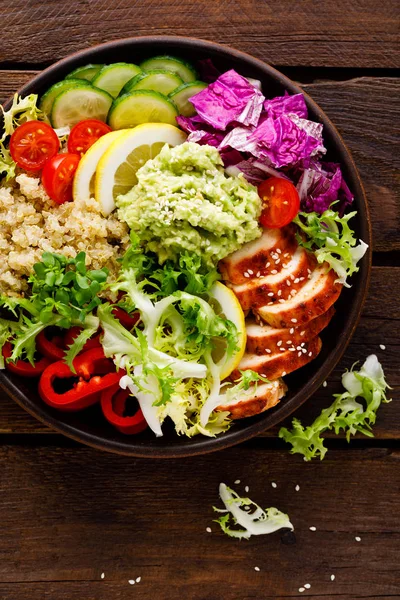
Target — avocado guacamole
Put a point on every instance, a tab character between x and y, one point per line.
184	201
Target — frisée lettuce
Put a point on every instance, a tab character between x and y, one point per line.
346	413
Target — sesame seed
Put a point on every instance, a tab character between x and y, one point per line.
297	488
246	489
279	343
274	272
281	300
307	586
131	581
279	251
291	330
278	261
299	354
382	346
258	274
257	568
301	278
289	342
283	374
250	272
324	384
357	538
138	579
310	354
102	575
208	529
332	578
270	294
269	303
309	271
237	482
313	528
268	351
302	333
286	254
293	320
284	265
292	349
274	485
267	265
282	349
246	274
291	276
279	292
288	282
298	347
302	590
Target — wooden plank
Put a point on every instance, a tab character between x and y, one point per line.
365	111
328	33
380	324
69	515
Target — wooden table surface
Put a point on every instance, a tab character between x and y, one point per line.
70	513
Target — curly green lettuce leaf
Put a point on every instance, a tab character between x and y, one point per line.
253	521
21	110
90	327
332	240
7	165
346	413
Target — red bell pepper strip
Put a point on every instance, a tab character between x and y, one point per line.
71	334
113	404
24	367
127	320
52	347
94	374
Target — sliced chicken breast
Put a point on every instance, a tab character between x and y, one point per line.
255	400
313	299
281	363
263	338
264	256
284	284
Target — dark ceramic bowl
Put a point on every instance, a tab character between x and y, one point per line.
89	426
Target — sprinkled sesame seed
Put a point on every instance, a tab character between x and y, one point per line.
357	538
298	347
269	303
274	485
102	576
291	276
324	384
279	251
283	374
286	254
299	354
138	579
270	294
304	351
291	330
293	320
258	274
281	300
302	590
246	274
288	282
131	581
237	482
247	489
279	292
307	586
302	333
250	272
297	488
267	265
310	354
332	578
313	528
279	343
208	529
257	568
278	260
289	342
382	346
282	349
274	272
292	349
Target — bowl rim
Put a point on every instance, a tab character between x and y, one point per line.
232	437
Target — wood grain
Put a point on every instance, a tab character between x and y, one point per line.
380	324
325	33
365	112
70	514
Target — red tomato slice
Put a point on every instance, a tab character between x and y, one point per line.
85	134
32	144
280	202
58	175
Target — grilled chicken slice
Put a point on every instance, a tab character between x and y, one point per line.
255	400
281	363
262	338
264	255
313	299
282	285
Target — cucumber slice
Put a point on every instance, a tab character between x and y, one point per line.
170	63
157	80
78	104
87	72
181	97
113	77
141	106
47	100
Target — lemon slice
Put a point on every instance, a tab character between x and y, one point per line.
83	187
116	171
226	305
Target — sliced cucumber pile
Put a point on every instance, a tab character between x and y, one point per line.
170	63
87	72
112	78
157	80
124	94
78	104
141	106
181	97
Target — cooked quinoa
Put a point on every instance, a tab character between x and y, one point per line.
31	223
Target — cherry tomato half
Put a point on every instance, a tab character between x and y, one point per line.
32	144
280	202
85	134
57	176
